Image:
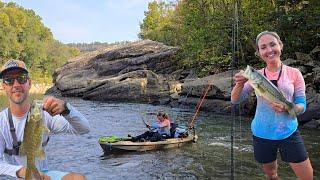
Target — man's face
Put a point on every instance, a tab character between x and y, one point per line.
17	85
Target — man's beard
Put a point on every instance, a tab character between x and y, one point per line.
19	100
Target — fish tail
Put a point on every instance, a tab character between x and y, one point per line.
32	173
293	110
28	173
36	173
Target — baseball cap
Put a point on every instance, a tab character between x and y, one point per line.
11	65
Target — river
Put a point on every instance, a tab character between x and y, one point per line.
209	158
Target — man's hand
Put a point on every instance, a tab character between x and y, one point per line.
44	177
21	173
54	106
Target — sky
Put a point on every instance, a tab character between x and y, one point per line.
86	21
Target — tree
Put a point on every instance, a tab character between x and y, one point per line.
24	36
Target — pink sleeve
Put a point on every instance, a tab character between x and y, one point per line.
299	84
167	122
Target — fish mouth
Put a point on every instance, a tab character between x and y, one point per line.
248	71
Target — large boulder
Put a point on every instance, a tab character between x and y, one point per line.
135	71
216	89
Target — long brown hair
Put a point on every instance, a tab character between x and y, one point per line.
163	114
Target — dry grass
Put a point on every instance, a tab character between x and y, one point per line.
4	102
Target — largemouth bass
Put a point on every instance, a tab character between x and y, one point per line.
265	88
32	140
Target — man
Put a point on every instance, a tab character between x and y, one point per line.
58	116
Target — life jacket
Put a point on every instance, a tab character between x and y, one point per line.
173	127
181	132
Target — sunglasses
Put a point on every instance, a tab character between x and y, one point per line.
22	79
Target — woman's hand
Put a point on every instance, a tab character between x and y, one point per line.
278	107
239	79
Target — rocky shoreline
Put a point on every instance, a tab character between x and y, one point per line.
148	72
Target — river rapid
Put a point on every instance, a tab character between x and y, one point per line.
209	158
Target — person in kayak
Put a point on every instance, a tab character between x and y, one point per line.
157	131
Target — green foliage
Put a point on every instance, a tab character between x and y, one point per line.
203	28
298	25
23	36
157	24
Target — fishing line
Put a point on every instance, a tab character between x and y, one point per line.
233	65
238	52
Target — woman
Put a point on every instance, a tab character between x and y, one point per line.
272	127
158	130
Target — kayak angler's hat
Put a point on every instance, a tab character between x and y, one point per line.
11	65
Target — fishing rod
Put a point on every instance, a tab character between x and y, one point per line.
144	122
204	94
142	118
235	39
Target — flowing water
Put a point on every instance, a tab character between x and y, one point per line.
209	158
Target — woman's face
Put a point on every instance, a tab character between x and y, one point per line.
269	48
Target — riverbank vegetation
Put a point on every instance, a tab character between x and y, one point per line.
203	28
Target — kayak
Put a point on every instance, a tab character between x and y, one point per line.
124	144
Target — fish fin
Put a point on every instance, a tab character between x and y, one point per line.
28	173
259	90
45	129
42	154
292	110
36	173
21	150
32	172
